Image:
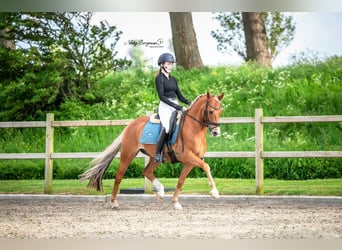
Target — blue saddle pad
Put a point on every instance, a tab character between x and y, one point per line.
151	131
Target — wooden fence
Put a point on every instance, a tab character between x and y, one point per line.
259	154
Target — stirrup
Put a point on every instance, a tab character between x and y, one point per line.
159	158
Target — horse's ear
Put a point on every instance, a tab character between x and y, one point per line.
220	96
208	95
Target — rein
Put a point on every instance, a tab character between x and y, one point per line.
205	123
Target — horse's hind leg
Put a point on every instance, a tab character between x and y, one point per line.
184	173
148	173
125	160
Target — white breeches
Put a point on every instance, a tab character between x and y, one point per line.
165	111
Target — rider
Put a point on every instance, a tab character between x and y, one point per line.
168	92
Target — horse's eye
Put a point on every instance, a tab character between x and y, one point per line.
211	112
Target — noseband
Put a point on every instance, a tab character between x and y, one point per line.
207	122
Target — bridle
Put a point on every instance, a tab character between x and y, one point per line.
206	123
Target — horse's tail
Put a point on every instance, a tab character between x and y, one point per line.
100	164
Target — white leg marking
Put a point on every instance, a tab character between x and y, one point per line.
214	193
159	187
178	206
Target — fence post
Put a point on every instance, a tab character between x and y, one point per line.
148	183
259	147
48	152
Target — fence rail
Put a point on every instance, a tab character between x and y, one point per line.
259	154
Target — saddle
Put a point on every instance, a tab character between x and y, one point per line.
174	121
152	128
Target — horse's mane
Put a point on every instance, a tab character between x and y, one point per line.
198	97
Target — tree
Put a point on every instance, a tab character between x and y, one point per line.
256	40
72	37
238	27
58	55
184	40
5	40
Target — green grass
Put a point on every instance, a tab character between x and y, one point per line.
324	187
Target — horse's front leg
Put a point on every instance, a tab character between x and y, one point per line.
206	168
214	192
184	173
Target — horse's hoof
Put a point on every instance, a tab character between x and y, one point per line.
114	205
159	198
160	194
178	206
214	193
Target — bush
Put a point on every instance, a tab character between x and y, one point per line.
303	168
300	89
22	170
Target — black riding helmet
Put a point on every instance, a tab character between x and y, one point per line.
166	57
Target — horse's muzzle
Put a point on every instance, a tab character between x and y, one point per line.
216	131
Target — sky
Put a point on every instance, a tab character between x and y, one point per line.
316	32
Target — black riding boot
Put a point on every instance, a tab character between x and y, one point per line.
160	145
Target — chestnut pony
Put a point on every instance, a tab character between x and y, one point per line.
189	147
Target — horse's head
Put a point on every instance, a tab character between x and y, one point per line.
212	113
206	110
